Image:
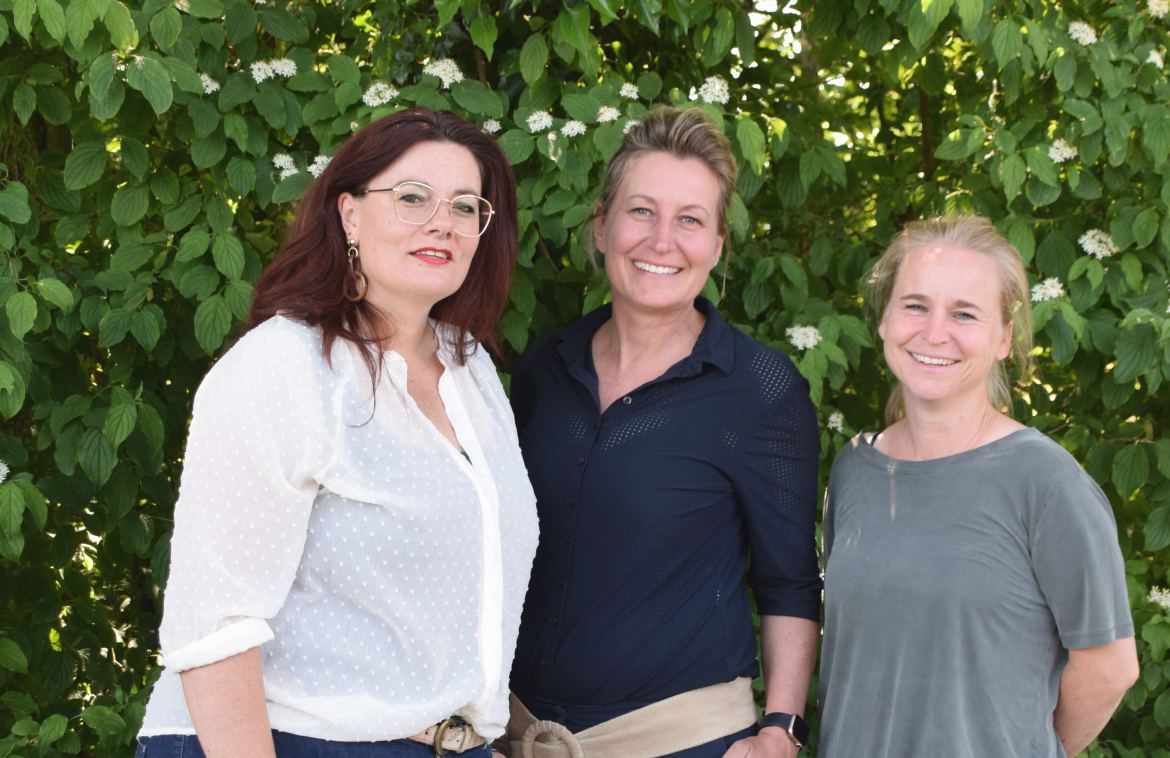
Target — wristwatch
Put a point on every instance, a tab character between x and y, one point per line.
792	725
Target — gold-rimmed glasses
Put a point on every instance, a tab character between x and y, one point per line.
416	203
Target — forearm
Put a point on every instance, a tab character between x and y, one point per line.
226	703
789	647
1092	684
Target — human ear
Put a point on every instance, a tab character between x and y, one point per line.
1005	346
347	211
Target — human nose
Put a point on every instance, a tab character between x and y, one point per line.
663	235
442	220
936	327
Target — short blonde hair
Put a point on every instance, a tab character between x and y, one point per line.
681	132
978	235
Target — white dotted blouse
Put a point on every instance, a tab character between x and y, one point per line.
379	570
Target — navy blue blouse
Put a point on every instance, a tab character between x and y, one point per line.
648	515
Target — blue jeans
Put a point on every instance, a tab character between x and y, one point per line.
295	746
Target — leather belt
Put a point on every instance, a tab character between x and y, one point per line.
453	735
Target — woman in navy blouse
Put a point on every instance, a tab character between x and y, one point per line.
670	455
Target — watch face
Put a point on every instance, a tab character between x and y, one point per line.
795	726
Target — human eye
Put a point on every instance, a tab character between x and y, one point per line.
689	220
965	316
915	307
641	212
413	194
465	206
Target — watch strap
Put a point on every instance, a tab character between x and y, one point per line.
792	725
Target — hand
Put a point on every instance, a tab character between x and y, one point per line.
769	743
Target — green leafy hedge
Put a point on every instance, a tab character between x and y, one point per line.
152	151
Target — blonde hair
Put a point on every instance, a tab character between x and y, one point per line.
978	235
681	132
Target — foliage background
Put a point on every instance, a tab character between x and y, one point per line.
137	205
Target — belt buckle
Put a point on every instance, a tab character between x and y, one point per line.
441	731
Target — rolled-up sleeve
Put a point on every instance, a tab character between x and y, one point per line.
254	455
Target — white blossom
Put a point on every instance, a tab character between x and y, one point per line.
714	90
285	163
318	165
1098	244
1082	33
1049	289
1060	151
607	113
1155	58
629	125
803	337
573	128
379	93
1158	8
285	67
539	121
447	71
836	421
491	126
3	471
210	86
1159	596
262	70
629	91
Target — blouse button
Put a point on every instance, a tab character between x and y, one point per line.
627	400
580	460
545	663
552	621
572	500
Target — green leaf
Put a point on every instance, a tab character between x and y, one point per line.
533	58
228	254
961	144
24	101
516	145
55	293
96	456
85	165
1162	455
1041	165
12	657
14	203
292	188
238	295
1157	529
1162	710
581	107
211	9
149	77
1012	172
1006	42
103	719
130	204
118	22
22	16
165	27
476	98
241	175
970	14
1145	227
193	245
1131	469
80	16
1136	349
120	422
283	25
751	142
11	508
209	151
21	309
53	17
113	327
484	33
52	729
213	321
145	329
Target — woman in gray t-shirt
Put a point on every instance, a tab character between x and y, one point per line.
975	599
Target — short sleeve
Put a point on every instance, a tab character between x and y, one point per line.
254	454
777	484
1078	563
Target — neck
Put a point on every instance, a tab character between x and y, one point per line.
410	331
630	335
930	431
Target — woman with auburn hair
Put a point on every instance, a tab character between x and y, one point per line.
355	527
975	598
671	456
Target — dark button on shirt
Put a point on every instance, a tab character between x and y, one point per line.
664	495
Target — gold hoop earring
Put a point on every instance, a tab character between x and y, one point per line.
355	290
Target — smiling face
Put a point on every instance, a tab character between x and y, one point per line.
660	234
943	330
413	266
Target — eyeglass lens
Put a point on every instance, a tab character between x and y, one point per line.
416	204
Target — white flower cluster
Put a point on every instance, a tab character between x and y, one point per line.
379	93
714	90
1060	151
1049	289
629	91
3	471
1159	596
836	421
446	69
1082	33
1158	8
573	128
539	121
629	125
210	86
1098	243
491	126
318	165
607	113
284	67
803	337
285	163
1155	58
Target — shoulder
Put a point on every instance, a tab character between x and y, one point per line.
538	354
768	372
279	353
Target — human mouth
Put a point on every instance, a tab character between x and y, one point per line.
432	256
650	268
932	361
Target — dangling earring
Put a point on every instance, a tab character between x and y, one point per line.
359	283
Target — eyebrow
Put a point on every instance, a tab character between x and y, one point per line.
459	191
964	304
689	206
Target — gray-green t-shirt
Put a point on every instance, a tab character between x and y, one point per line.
953	589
